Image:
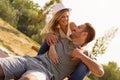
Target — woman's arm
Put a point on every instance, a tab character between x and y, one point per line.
53	54
51	38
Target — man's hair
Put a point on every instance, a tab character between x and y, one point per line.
91	33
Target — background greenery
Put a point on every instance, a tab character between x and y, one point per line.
26	16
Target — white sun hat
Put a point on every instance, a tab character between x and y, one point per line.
57	7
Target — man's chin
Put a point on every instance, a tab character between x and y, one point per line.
72	36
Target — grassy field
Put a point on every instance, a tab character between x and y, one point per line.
16	42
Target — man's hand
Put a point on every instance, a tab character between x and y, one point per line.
76	54
92	64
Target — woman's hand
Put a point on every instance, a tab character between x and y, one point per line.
51	38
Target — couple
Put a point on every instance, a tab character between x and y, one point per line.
41	67
59	25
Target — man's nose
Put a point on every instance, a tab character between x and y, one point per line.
74	29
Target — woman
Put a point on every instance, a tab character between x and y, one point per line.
59	26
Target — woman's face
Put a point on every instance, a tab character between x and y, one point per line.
64	20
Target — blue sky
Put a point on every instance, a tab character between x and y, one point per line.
103	14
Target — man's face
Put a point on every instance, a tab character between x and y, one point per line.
77	31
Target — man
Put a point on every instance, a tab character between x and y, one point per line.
42	68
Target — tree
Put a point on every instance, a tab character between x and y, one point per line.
32	18
102	43
26	16
8	13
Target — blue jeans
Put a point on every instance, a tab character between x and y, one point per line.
44	47
78	74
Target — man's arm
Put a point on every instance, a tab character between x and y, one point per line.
92	64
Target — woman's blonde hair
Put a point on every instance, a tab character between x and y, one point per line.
54	22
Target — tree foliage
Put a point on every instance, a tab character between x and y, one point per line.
111	70
8	13
102	42
26	16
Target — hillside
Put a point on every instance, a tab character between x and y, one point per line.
15	42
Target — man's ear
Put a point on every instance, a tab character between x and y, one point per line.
85	34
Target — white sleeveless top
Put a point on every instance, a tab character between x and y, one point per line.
63	35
